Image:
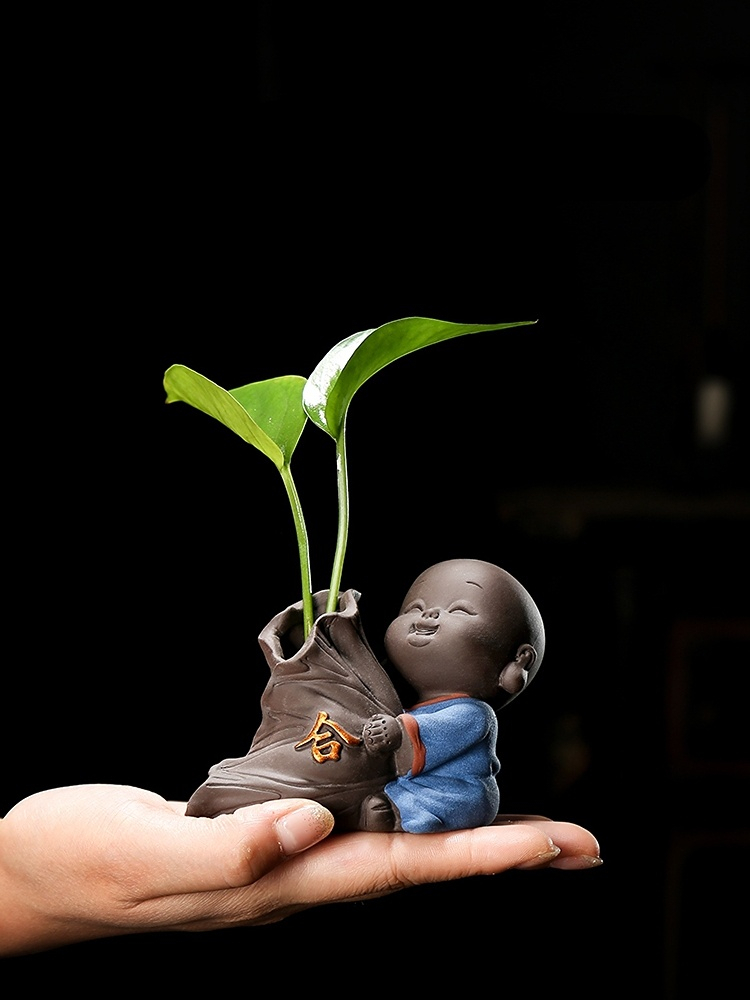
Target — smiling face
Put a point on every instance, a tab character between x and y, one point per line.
461	624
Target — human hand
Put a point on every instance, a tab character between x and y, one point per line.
93	861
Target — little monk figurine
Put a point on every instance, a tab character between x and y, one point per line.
468	639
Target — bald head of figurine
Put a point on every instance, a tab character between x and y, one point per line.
467	627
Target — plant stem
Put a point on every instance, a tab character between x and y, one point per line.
303	547
343	528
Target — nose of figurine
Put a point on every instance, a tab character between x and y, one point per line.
431	613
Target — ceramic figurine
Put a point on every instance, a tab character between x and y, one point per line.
468	639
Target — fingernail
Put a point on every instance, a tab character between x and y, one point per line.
302	828
578	861
541	860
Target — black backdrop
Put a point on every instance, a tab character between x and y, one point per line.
239	196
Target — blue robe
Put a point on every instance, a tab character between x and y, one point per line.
452	784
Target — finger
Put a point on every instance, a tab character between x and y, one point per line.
579	848
359	865
197	854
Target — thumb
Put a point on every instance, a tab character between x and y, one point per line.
239	848
296	824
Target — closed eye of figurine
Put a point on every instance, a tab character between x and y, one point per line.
460	607
414	606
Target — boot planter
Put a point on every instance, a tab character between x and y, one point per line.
310	741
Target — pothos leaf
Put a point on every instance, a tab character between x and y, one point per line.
331	386
268	414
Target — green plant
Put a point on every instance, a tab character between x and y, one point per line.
271	415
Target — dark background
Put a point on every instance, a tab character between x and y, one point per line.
237	194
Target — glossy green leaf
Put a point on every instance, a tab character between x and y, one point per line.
330	388
268	414
348	365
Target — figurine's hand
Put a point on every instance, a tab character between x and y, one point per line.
382	734
95	861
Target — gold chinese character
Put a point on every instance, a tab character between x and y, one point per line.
331	750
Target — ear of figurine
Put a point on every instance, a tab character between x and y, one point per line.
514	675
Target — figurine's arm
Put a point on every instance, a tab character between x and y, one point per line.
455	730
398	735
